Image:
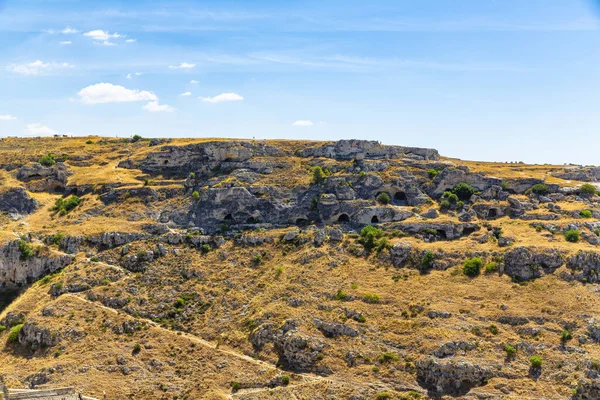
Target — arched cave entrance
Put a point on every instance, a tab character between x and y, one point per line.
344	218
492	213
442	233
400	199
375	219
302	222
252	220
228	218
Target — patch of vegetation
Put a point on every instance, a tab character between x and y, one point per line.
26	249
137	348
285	379
388	357
426	261
383	396
179	303
89	142
491	267
493	329
13	334
432	173
136	138
340	295
540	189
383	198
205	248
472	267
565	336
64	206
587	190
235	386
371	298
48	160
572	235
464	191
319	175
535	362
195	195
510	351
2	328
585	214
370	237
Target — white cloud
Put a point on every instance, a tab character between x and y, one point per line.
36	67
68	31
39	130
153	106
106	43
303	123
186	94
182	66
222	97
109	93
7	117
131	41
128	76
101	36
139	73
65	43
193	82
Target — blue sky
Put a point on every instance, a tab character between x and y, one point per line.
501	80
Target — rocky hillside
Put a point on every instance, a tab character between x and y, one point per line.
196	268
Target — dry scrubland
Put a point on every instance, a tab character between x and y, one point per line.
187	269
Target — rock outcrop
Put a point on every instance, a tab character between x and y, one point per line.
455	378
38	178
17	200
523	263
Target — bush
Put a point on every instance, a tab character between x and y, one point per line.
493	329
464	191
572	235
192	175
369	236
235	386
427	260
451	197
371	298
536	362
137	348
510	351
285	379
89	142
196	195
387	357
65	206
383	396
432	173
472	267
587	189
26	249
48	160
55	239
136	138
13	334
445	205
566	335
2	328
340	295
585	214
491	267
540	189
319	175
179	303
383	198
205	248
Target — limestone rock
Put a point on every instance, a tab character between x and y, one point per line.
525	263
37	336
455	378
17	200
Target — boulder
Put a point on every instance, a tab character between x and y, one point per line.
454	378
523	263
36	336
17	200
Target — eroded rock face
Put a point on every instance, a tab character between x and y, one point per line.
16	271
17	200
400	253
455	378
523	263
37	336
585	266
367	149
331	329
38	178
587	390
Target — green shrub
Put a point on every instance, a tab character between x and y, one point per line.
195	195
371	298
192	175
383	198
493	329
340	295
445	204
2	328
432	173
48	160
137	348
472	267
136	138
587	189
95	259
235	386
585	214
540	189
387	357
510	351
427	260
464	191
369	236
451	197
572	235
535	362
205	248
56	238
26	249
285	379
179	303
319	175
383	396
491	267
89	142
13	334
64	206
566	335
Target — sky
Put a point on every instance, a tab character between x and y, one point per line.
495	80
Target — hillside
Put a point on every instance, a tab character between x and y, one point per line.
216	268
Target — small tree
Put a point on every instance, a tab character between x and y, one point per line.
464	191
587	190
540	189
13	334
432	173
536	362
136	138
383	198
472	267
426	260
48	160
318	175
369	236
572	235
585	214
196	195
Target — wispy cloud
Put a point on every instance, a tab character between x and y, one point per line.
7	117
109	93
130	40
69	31
185	94
39	129
153	106
303	123
100	35
37	67
194	82
223	97
183	65
65	43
